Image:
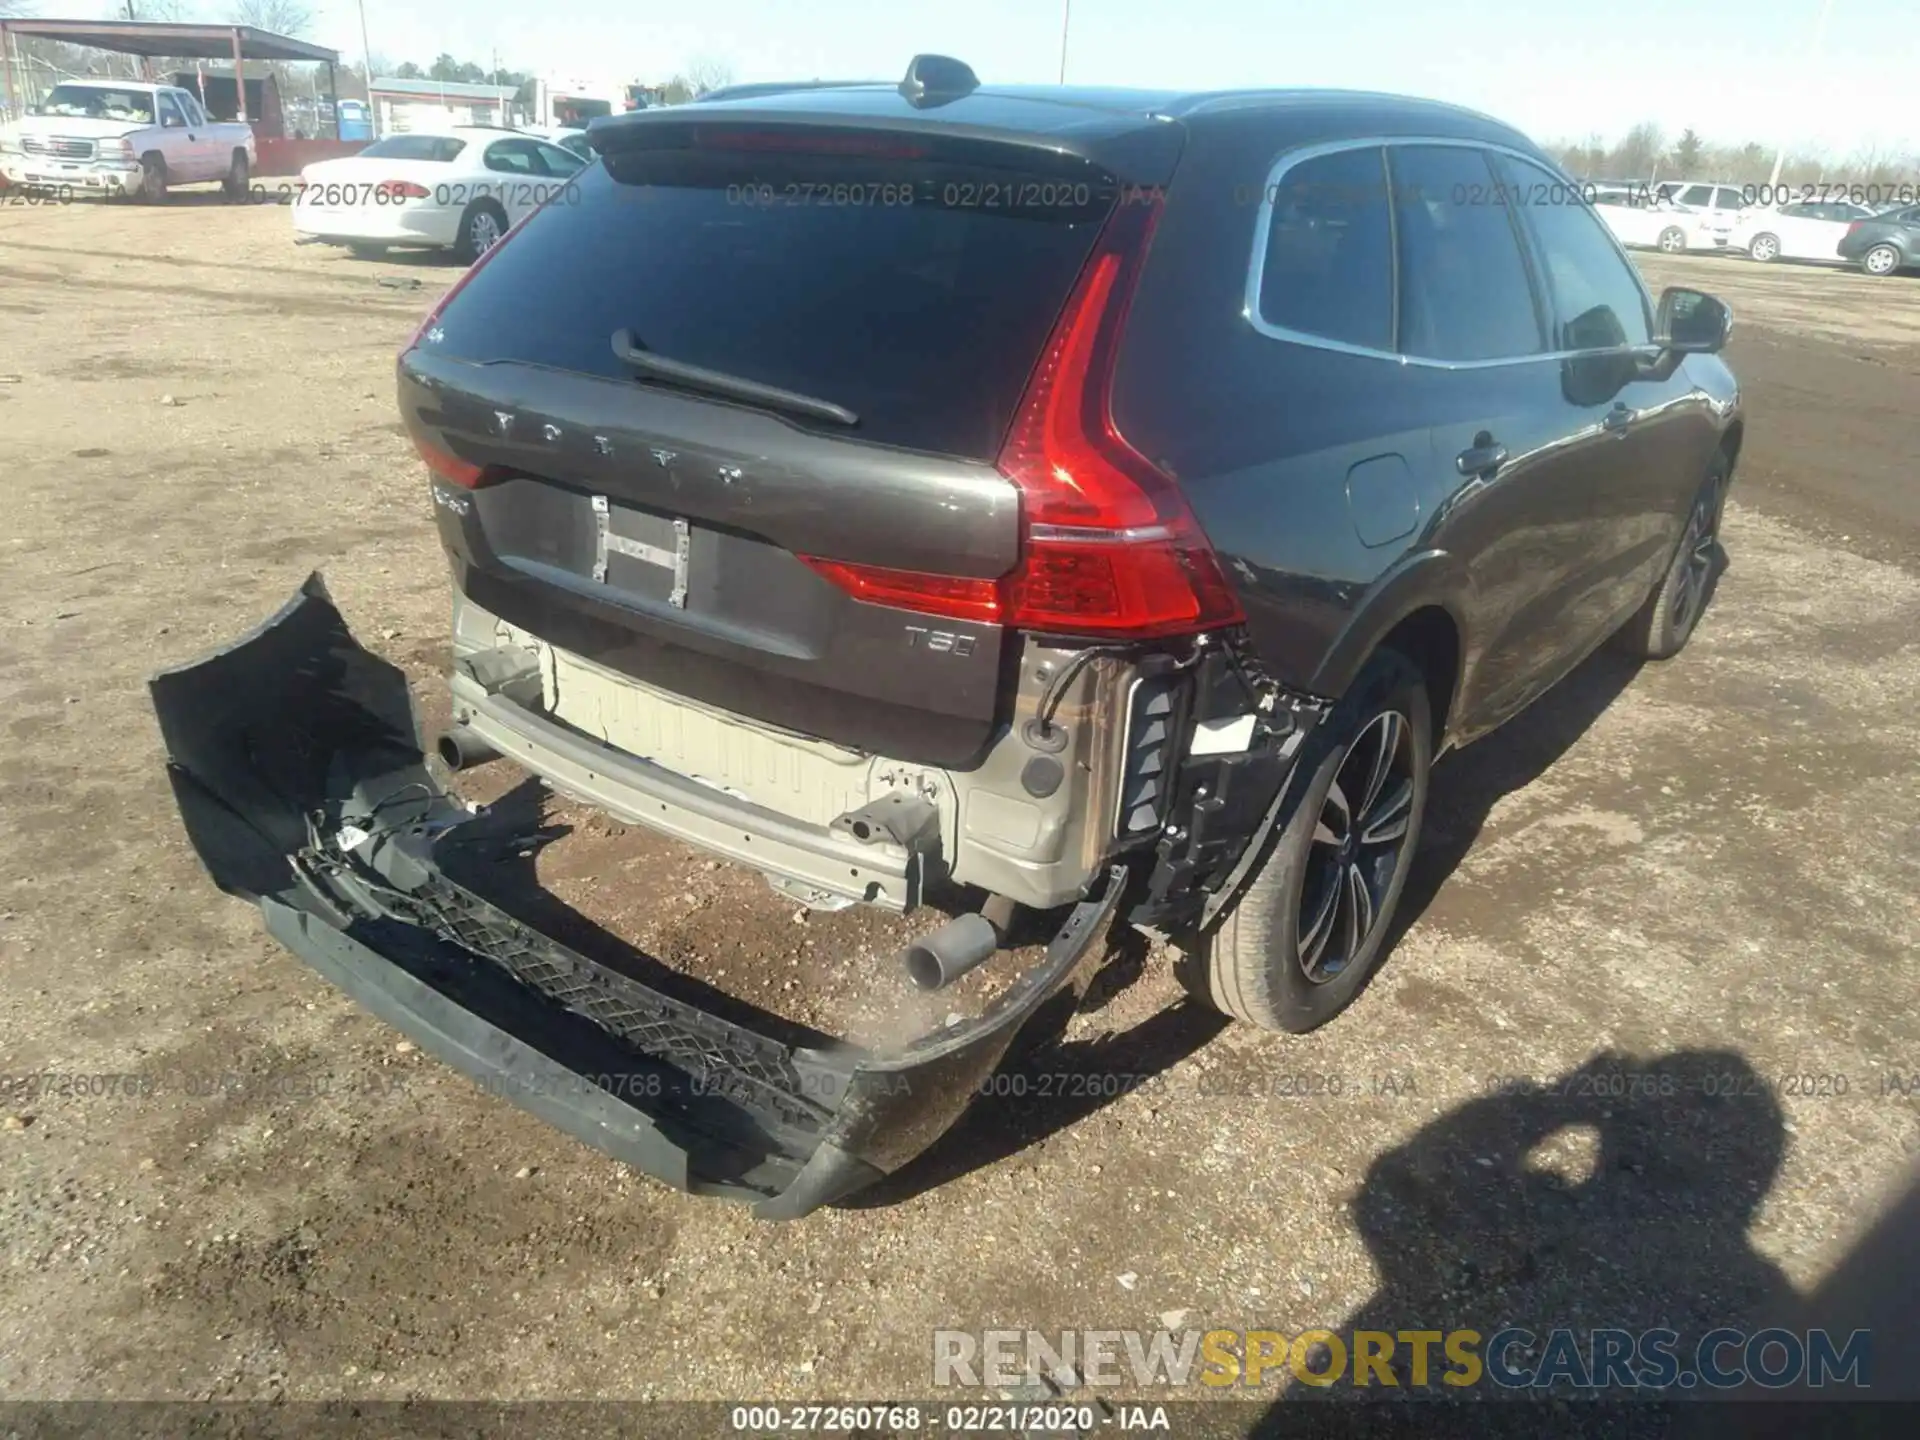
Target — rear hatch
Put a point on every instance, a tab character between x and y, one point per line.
711	400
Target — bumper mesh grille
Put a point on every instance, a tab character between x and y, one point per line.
723	1059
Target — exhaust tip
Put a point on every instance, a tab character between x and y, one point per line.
935	961
462	749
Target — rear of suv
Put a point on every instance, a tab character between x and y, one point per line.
1109	502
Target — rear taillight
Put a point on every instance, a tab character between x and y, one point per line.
463	473
1854	226
1109	546
400	190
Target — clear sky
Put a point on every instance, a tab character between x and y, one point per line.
1734	70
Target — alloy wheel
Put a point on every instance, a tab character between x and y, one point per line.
1881	260
1358	846
1696	565
1765	248
485	231
1673	241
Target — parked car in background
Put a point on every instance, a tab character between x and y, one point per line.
1656	224
1884	244
122	138
954	537
1802	230
1717	205
459	189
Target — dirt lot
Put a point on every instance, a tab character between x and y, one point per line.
1702	870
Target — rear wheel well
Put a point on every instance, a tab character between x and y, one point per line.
1431	640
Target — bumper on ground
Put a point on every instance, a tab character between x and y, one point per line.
294	761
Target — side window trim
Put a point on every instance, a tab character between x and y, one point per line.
1263	226
1530	244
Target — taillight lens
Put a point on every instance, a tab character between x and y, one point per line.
463	473
1855	226
400	190
1109	546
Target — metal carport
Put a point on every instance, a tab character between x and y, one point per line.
157	41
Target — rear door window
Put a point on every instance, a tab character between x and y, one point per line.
515	157
1597	302
1464	290
554	160
915	289
1328	264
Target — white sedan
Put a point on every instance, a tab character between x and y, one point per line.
1662	225
1807	230
459	189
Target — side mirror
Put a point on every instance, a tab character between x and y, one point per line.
1692	322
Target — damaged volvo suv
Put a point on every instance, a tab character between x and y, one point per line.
1110	502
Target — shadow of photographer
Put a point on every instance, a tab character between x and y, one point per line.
1618	1196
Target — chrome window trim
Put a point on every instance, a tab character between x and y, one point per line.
1263	226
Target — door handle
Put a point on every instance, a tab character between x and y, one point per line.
1619	420
1485	456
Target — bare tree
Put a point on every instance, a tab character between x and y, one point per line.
277	17
706	73
1636	155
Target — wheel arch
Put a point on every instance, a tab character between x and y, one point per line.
1419	610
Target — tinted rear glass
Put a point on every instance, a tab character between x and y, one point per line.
1329	263
916	294
441	148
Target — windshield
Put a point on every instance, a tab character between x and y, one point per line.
100	102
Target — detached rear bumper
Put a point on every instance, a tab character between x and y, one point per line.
295	764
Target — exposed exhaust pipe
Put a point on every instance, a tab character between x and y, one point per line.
462	748
935	961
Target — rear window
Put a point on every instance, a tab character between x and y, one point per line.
442	148
916	292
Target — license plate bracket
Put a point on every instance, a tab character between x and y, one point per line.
672	557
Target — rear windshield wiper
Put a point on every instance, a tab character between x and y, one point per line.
718	382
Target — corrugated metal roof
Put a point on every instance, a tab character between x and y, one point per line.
443	89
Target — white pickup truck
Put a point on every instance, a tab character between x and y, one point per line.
119	137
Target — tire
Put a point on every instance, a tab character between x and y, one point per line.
1662	626
1673	240
1881	261
1263	962
238	178
367	252
1764	248
475	237
153	178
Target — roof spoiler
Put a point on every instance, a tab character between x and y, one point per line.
936	79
